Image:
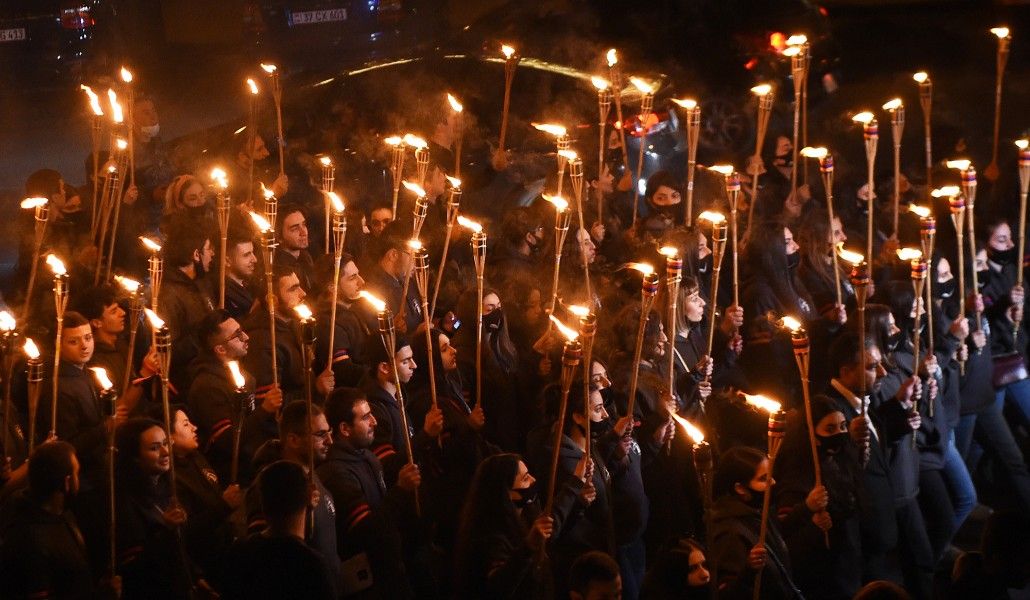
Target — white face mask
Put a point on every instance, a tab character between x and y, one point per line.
151	131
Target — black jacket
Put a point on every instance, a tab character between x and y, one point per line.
182	303
80	416
733	529
207	532
348	353
287	353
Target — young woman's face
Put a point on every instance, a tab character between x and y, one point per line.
154	453
762	478
1001	238
193	197
831	424
697	569
695	306
788	241
184	434
665	196
523	480
944	271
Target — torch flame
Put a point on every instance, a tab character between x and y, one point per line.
863	117
414	141
237	376
761	90
267	193
961	164
568	154
116	109
34	202
126	75
150	244
669	251
326	161
7	322
376	303
262	223
849	256
693	432
415	188
643	86
414	245
455	105
252	85
101	374
555	130
570	334
612	57
469	224
303	312
560	204
129	285
921	211
920	77
56	265
910	253
1001	32
31	350
336	202
810	152
122	144
155	321
725	170
797	39
892	105
394	140
790	323
948	190
644	268
94	100
578	310
600	83
268	68
507	51
687	103
763	403
454	181
1023	144
713	217
791	51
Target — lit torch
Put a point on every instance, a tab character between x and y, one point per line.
60	304
109	403
420	266
777	430
339	229
826	171
673	276
615	77
328	177
927	238
561	230
926	103
41	209
133	289
1004	38
765	105
604	106
130	104
718	242
277	97
571	355
453	205
8	342
163	345
96	125
693	126
799	339
421	156
459	117
1024	184
897	111
35	380
646	108
223	204
243	399
648	291
871	135
268	245
919	269
397	154
511	60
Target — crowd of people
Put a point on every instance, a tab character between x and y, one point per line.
355	465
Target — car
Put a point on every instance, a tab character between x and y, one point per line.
47	42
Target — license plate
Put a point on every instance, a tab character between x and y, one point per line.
310	17
12	35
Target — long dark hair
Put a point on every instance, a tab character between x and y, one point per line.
766	253
813	233
129	473
447	382
737	465
508	356
488	512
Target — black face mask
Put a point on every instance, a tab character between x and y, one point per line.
793	260
756	499
601	428
526	496
1002	257
199	267
946	289
982	277
704	265
493	321
893	341
784	160
834	443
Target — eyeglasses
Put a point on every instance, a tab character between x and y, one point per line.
238	334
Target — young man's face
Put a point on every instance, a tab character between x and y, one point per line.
295	231
111	321
406	364
350	282
77	344
205	255
362	428
233	340
290	292
379	219
241	260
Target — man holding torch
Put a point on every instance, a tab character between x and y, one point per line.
352	331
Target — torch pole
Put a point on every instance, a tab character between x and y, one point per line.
564	143
479	256
277	98
339	230
797	70
561	230
919	268
926	104
646	107
1001	60
801	356
969	191
765	105
958	214
421	268
928	235
307	342
587	330
243	401
109	403
860	281
7	342
871	135
164	353
398	154
60	304
826	170
648	290
268	245
604	106
718	249
42	215
897	127
95	132
510	63
1024	185
673	276
35	380
453	204
576	177
328	178
703	466
615	76
224	206
570	360
777	430
135	311
733	195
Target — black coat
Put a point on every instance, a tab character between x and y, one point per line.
80	416
733	529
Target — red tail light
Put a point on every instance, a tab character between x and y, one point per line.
76	17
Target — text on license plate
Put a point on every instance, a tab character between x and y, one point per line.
308	17
12	35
